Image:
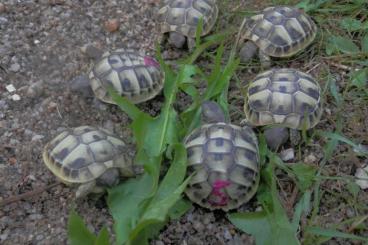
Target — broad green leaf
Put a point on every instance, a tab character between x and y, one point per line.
163	129
351	24
175	175
126	203
190	90
179	209
305	175
168	193
256	224
78	233
140	127
353	188
161	132
341	44
191	117
103	237
333	233
359	78
187	73
365	43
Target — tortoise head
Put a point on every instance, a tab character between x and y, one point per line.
212	112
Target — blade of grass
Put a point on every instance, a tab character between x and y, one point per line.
331	233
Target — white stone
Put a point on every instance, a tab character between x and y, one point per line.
15	97
287	154
10	88
361	176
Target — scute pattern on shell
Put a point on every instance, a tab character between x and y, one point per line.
132	74
225	160
82	154
284	96
280	31
182	16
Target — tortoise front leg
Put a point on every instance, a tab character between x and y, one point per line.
86	188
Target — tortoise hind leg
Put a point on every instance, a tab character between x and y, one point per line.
295	137
265	60
191	44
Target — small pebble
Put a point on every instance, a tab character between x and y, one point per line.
287	154
14	67
2	8
35	89
208	217
35	216
39	237
4	236
227	235
350	212
112	25
37	137
15	97
51	106
198	226
56	2
10	88
361	176
93	51
310	159
12	160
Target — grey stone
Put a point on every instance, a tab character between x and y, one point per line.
14	67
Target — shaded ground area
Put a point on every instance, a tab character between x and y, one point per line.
40	54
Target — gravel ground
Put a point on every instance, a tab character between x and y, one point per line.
40	54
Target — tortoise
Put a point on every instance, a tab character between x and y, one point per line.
224	159
131	73
283	98
279	31
89	157
179	19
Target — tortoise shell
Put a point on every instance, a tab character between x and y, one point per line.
84	153
280	31
132	74
284	96
225	161
182	16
